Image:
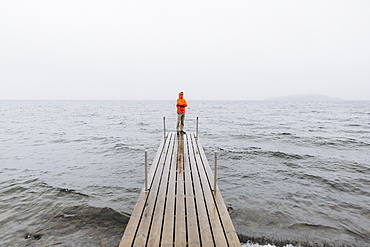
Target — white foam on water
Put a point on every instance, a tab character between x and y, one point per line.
249	244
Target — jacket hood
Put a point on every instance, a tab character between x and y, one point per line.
180	95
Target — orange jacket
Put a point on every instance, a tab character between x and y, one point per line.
181	104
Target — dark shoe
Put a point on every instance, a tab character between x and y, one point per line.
183	132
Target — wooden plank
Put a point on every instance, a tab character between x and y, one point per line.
217	229
180	209
227	224
146	219
167	238
156	225
180	151
204	225
191	212
129	234
232	237
180	222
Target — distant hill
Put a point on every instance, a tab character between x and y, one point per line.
305	97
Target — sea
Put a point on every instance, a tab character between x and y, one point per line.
291	173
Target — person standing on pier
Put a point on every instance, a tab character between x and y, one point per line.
180	104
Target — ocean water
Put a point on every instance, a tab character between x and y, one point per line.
291	173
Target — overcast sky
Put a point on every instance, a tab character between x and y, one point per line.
242	50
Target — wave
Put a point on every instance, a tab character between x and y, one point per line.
335	184
93	216
294	234
63	191
339	142
310	226
256	151
104	139
43	215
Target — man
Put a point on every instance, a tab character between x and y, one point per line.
181	104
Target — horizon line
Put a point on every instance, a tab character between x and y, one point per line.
267	99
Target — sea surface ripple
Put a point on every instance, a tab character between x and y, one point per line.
290	172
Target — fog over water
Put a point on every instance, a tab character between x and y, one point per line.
211	50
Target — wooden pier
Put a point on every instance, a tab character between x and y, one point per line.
180	207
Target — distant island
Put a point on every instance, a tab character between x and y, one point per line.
305	97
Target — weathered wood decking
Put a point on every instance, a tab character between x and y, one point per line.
180	208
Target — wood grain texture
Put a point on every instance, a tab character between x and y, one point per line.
180	208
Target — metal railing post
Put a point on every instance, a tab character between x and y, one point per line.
197	123
146	171
215	175
164	127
